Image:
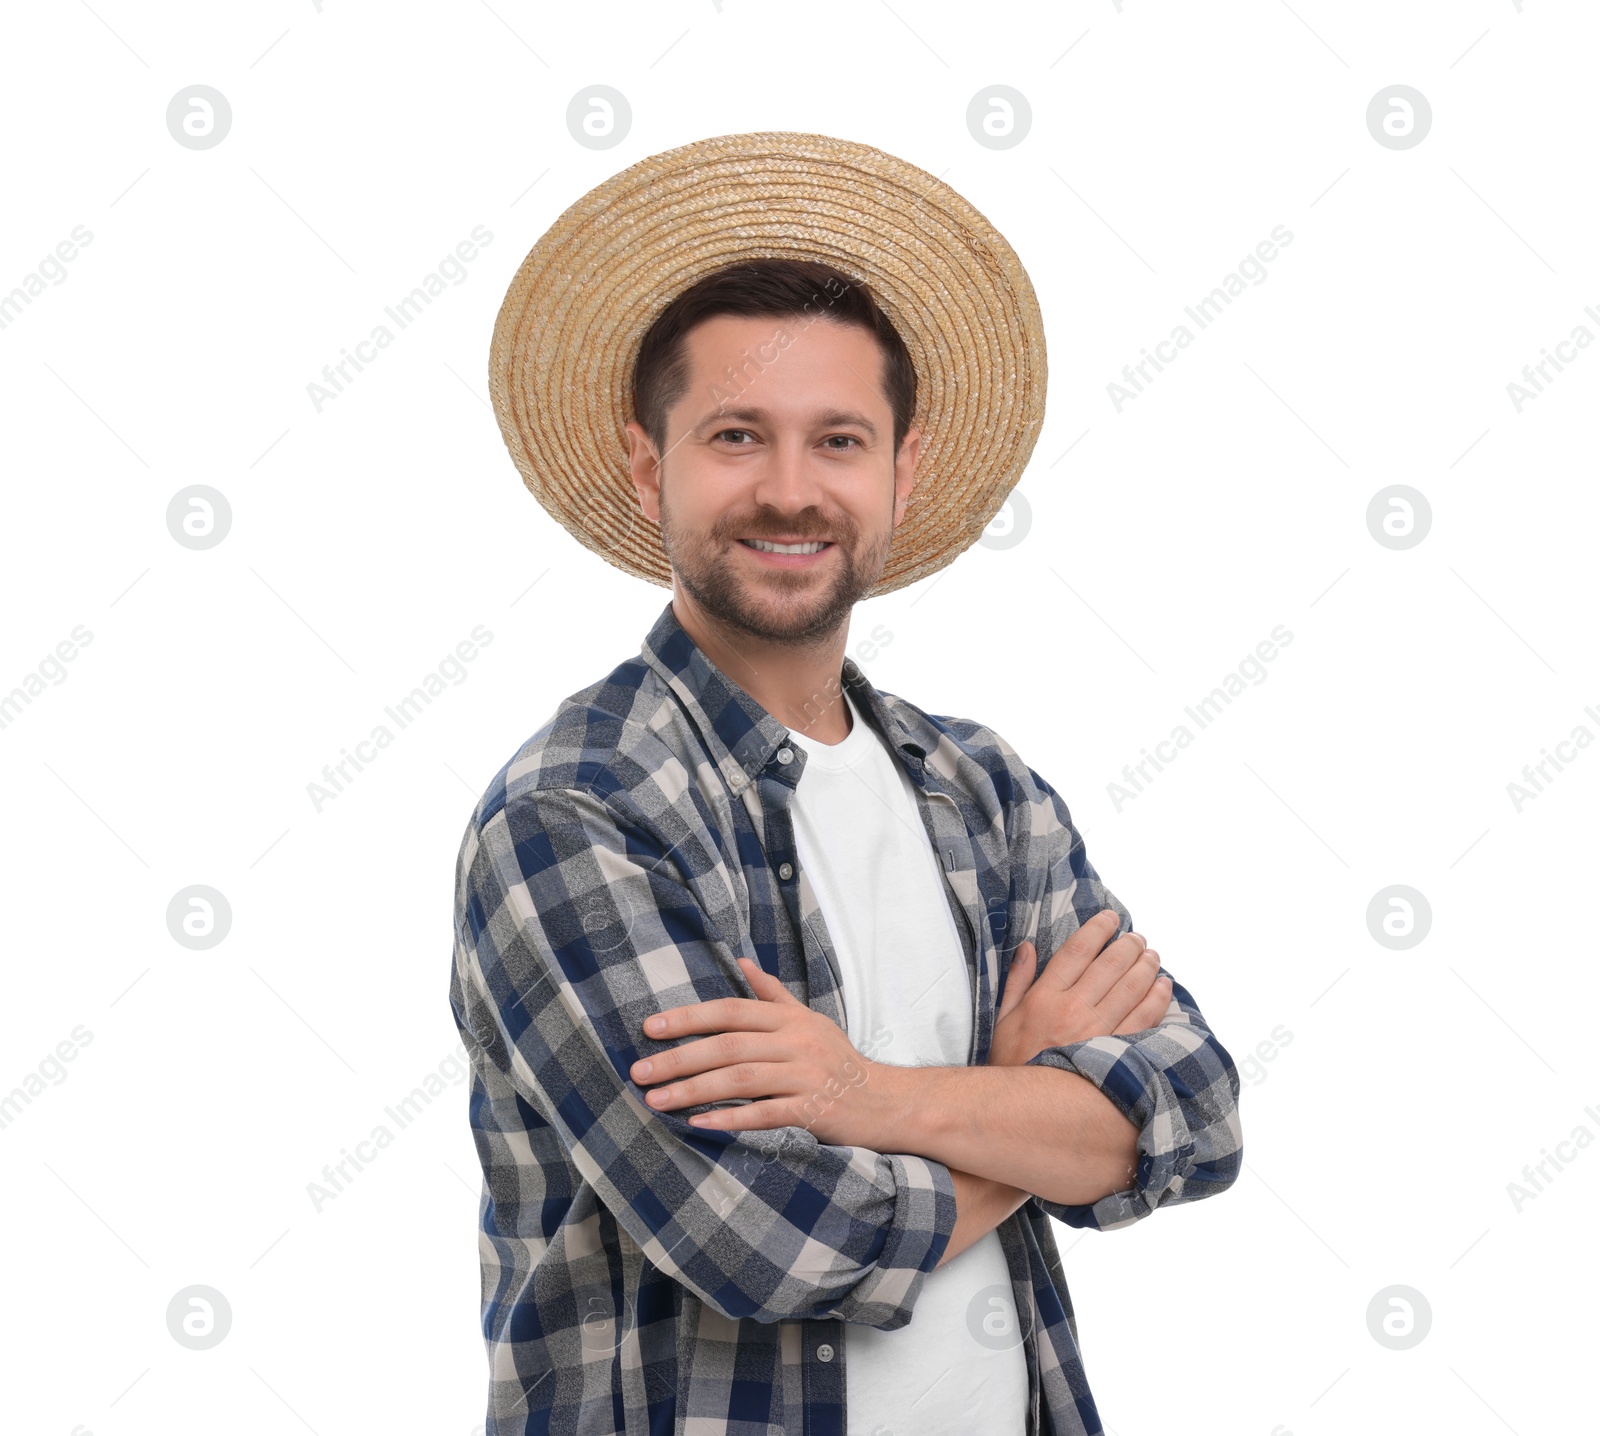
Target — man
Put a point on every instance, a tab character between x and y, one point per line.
795	1011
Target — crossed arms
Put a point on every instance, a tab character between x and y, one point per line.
1006	1131
580	916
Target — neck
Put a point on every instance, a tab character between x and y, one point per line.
798	684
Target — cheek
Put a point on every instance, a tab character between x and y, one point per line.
873	505
694	501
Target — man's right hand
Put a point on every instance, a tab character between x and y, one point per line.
1082	992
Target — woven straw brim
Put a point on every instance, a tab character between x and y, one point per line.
568	332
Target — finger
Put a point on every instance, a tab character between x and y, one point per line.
752	1117
1128	990
1120	965
723	1014
1151	1010
1069	961
1024	964
742	1080
765	985
1073	958
706	1054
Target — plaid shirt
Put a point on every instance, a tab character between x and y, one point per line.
640	1275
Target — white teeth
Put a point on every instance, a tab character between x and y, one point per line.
766	547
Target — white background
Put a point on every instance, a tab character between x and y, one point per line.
369	539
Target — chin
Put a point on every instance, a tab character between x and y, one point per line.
778	607
796	617
782	610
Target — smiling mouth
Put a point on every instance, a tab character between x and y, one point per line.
767	546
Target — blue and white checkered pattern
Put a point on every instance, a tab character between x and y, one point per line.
640	1275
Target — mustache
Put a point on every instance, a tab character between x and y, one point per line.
766	522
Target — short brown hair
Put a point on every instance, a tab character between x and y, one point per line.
765	288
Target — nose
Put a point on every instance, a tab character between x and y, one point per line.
787	481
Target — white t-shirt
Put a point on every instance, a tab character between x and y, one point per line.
908	1001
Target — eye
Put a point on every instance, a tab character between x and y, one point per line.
848	438
723	433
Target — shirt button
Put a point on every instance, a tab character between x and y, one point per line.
785	871
824	1352
786	756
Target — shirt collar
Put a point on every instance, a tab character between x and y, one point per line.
741	735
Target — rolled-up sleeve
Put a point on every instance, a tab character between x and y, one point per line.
575	920
1175	1082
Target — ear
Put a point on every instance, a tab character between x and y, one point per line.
644	468
905	472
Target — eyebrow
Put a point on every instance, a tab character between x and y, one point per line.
759	416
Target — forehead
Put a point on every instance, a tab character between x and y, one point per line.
787	361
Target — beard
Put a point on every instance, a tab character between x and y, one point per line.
791	607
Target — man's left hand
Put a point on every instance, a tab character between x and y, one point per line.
798	1066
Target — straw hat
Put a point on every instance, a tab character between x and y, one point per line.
568	332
